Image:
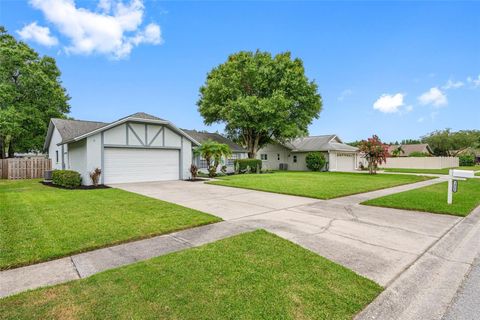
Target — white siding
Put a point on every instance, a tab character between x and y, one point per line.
186	158
172	139
273	151
94	156
53	149
77	158
116	135
155	135
136	134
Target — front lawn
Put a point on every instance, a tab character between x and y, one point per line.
321	185
39	223
255	275
434	199
432	171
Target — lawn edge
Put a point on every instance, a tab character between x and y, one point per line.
111	244
414	209
218	183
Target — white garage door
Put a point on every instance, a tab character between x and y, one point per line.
345	161
139	165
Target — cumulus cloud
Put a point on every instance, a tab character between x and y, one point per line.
113	30
453	84
37	34
389	103
434	97
474	81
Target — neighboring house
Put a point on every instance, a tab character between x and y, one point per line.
238	152
407	149
137	148
339	156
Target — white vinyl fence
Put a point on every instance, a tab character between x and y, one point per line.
421	162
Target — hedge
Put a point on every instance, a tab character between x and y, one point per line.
66	178
467	160
315	161
242	164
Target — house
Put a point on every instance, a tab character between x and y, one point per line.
238	152
408	149
339	156
136	148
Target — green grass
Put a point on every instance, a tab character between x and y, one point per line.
251	276
39	223
434	199
432	171
321	185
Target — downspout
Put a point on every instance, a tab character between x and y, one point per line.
63	158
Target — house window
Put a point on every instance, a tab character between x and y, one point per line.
278	156
263	156
231	160
56	156
202	163
294	159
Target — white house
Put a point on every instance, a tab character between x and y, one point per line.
137	148
339	156
238	152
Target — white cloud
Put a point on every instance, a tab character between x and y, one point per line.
434	97
345	93
114	31
421	119
409	108
453	84
37	34
389	103
474	81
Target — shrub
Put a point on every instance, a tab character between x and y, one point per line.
95	176
254	165
418	154
467	160
66	178
315	161
194	171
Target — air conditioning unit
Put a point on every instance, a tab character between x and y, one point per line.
47	175
283	166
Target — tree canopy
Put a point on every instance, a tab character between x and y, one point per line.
30	94
212	152
449	143
260	98
376	152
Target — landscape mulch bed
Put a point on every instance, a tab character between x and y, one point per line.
50	184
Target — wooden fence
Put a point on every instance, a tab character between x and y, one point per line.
24	168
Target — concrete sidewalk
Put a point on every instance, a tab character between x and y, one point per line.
88	263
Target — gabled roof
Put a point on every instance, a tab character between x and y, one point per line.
76	130
202	136
329	142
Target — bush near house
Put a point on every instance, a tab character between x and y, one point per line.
315	161
66	178
467	160
255	165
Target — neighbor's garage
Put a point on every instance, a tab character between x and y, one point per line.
140	165
345	161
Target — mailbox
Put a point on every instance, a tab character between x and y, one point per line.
462	173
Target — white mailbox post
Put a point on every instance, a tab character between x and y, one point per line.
456	174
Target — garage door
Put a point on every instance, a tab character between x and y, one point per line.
139	165
345	161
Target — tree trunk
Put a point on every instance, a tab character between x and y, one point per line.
11	151
2	149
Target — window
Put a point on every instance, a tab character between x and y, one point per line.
233	157
294	159
56	156
278	156
263	156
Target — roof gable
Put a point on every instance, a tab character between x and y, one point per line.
329	142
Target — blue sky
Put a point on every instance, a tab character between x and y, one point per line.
396	69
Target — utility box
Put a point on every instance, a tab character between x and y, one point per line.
283	166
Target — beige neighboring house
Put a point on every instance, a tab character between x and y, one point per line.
339	156
409	148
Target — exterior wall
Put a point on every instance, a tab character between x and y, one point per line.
273	151
94	158
185	158
77	158
56	139
421	162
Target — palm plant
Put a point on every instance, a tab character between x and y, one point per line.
212	152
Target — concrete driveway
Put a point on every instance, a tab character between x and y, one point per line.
378	243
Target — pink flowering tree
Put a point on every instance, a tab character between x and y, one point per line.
376	152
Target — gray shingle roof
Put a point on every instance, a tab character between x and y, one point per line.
143	115
319	143
70	129
202	136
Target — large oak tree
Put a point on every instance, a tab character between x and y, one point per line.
30	94
260	98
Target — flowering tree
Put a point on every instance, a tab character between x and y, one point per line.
376	152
